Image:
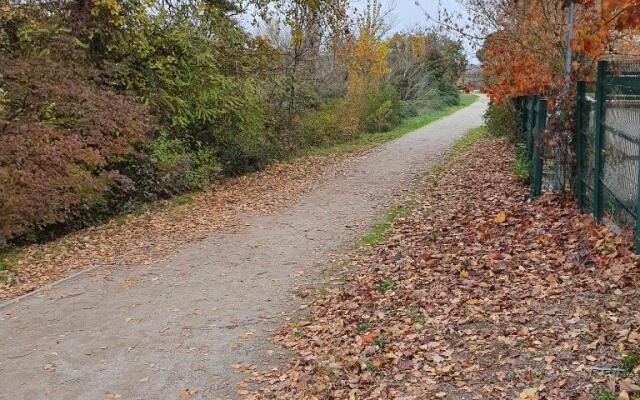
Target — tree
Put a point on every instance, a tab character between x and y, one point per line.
524	42
419	60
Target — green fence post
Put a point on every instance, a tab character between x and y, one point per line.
529	126
537	158
599	140
532	102
580	98
638	211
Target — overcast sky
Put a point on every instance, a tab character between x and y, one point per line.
407	14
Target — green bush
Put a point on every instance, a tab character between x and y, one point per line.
444	94
408	109
181	168
449	93
501	119
179	74
320	127
204	169
240	141
384	109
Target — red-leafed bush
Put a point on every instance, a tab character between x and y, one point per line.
61	131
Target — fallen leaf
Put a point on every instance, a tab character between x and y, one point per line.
529	393
187	393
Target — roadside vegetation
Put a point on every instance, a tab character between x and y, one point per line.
106	105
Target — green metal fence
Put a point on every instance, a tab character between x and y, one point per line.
608	145
585	134
532	111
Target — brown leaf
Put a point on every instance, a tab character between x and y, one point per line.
186	393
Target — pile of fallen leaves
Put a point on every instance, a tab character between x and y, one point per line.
144	239
478	294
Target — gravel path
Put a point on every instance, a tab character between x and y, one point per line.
178	328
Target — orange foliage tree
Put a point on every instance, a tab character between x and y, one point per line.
524	49
524	41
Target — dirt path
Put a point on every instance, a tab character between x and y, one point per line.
177	328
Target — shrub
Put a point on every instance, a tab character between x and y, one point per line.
319	127
205	169
501	119
178	73
444	94
161	169
239	139
449	93
58	144
181	168
383	110
409	109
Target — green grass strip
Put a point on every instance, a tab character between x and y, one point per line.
468	140
379	232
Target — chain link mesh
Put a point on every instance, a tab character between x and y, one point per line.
621	144
587	135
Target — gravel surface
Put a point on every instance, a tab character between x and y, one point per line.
176	329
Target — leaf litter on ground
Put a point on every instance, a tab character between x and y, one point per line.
493	297
157	233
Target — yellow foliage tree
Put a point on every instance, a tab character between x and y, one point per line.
365	58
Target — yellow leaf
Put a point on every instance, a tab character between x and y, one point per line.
529	393
185	394
501	217
464	273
